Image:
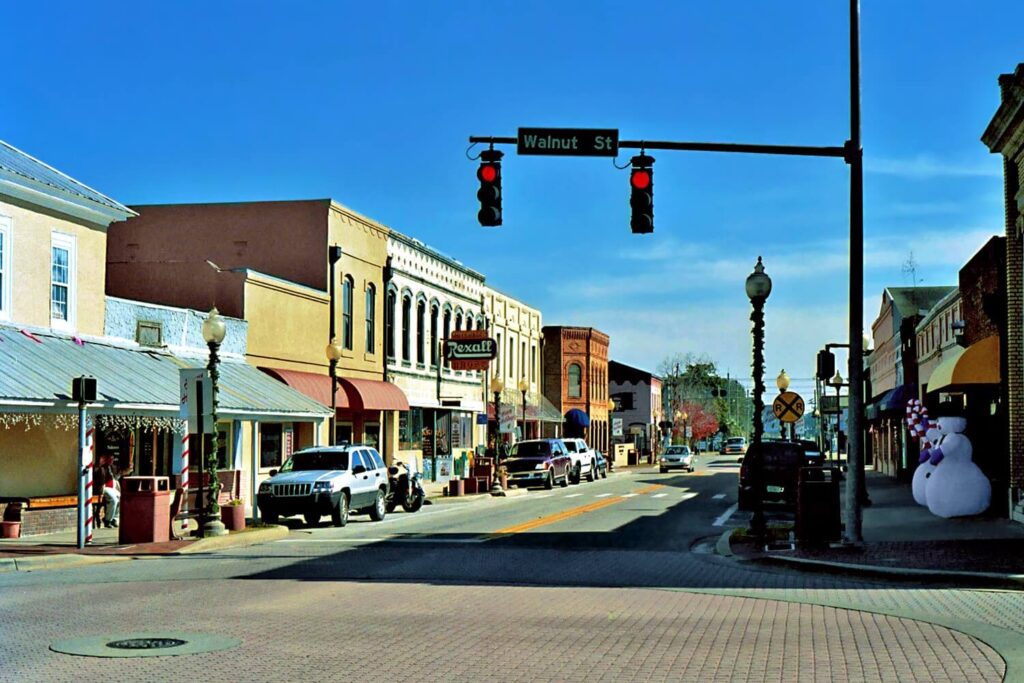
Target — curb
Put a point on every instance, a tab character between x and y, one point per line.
62	561
239	540
509	493
992	579
723	547
461	500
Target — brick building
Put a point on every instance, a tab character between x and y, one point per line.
576	377
1005	135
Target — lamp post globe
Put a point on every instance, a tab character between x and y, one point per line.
759	285
214	331
782	381
836	381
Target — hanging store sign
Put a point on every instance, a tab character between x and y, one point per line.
470	349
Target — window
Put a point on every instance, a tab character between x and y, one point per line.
522	362
62	275
511	357
270	445
406	323
421	327
410	429
389	324
575	381
346	312
458	320
433	335
5	267
148	333
371	318
533	362
447	329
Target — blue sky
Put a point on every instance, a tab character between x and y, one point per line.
371	104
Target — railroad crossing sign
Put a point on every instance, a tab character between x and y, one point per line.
788	406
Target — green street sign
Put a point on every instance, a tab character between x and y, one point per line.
569	142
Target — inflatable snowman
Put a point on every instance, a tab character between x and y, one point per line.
957	487
925	469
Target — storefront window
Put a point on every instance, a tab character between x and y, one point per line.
410	429
371	433
271	445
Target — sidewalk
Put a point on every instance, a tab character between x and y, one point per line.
902	538
60	550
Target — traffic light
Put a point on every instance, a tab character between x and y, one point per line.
826	365
489	194
641	198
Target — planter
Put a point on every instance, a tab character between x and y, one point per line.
10	529
233	517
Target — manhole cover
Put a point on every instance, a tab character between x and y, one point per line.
166	644
146	643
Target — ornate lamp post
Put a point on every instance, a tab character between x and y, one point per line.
759	287
782	382
497	386
214	330
333	352
686	424
524	387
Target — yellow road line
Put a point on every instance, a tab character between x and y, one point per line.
570	513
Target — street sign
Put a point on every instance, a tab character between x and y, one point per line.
569	142
470	349
616	426
196	399
689	432
788	406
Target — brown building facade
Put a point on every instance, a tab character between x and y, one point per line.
576	377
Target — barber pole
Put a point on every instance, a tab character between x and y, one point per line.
184	481
87	472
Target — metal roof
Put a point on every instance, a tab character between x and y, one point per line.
15	161
36	369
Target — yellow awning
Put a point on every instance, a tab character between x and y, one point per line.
977	364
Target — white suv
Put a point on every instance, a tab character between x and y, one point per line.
584	459
334	480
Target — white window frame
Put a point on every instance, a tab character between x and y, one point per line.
68	242
7	281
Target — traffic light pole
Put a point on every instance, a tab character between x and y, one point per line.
853	154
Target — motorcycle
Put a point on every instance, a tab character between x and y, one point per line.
405	489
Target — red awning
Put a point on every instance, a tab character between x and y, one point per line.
351	394
371	394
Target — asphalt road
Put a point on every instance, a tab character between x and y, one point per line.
610	580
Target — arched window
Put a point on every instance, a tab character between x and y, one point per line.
421	329
406	325
346	312
389	325
458	320
575	381
433	335
447	329
371	318
511	358
469	321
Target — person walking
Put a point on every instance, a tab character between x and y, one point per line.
111	496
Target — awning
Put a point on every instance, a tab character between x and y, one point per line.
978	364
350	394
577	418
896	399
38	367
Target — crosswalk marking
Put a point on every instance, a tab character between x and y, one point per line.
718	496
724	517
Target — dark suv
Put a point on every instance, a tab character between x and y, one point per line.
782	463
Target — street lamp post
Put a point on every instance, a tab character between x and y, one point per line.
333	352
782	382
686	425
214	330
524	387
497	386
759	287
837	382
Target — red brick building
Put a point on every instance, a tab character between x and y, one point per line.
576	377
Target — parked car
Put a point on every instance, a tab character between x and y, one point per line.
735	445
602	464
782	463
584	461
539	462
676	457
332	480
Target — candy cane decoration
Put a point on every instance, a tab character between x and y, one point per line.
90	433
184	481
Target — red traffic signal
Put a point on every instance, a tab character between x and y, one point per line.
487	173
489	194
640	178
641	197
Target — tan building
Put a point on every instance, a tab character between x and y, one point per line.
576	380
267	263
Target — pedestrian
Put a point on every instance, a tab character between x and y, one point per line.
111	495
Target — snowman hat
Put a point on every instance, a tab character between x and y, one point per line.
950	409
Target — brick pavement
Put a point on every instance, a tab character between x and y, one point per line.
378	631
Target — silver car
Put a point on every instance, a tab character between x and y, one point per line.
676	458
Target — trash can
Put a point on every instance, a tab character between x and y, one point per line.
145	510
817	506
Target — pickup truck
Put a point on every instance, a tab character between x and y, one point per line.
584	460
